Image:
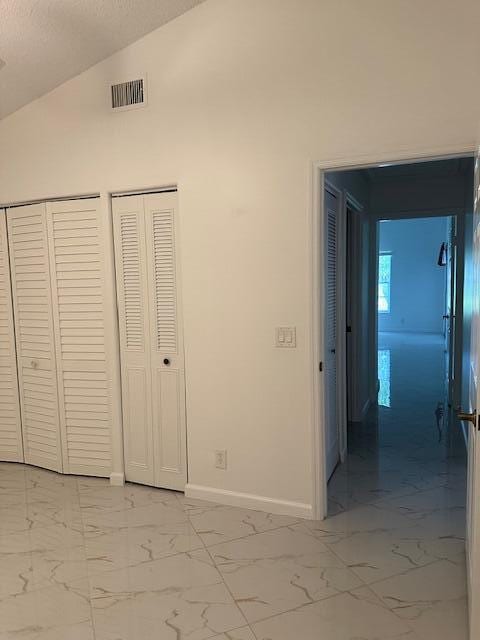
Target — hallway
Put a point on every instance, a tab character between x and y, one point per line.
399	501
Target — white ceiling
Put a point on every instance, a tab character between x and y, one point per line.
45	42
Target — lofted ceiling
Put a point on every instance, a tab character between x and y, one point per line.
45	42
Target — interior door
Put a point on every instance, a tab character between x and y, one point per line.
81	323
473	490
11	447
133	303
166	340
331	209
151	340
30	273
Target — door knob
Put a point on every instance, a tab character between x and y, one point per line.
34	364
166	361
468	417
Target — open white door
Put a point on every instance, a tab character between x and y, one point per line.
331	213
473	489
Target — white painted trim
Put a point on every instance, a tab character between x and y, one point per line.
408	156
316	351
316	298
117	479
249	501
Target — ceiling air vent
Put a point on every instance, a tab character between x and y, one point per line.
128	95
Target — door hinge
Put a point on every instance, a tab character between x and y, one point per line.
320	366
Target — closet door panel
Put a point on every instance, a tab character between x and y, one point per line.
169	424
11	446
133	312
169	416
75	233
30	275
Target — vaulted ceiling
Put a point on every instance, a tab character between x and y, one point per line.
45	42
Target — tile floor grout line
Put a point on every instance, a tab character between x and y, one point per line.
248	535
227	587
316	602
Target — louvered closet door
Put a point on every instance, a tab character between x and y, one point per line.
11	447
166	340
133	300
153	374
27	233
332	208
76	233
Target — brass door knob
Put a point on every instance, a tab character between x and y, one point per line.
467	417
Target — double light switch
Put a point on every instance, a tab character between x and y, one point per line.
285	337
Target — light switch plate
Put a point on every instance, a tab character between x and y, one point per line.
286	337
220	458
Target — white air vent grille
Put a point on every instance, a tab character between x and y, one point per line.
127	95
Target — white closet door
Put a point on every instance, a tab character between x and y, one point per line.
166	340
75	234
27	233
331	414
153	377
11	447
133	299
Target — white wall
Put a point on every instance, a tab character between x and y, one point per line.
418	284
243	96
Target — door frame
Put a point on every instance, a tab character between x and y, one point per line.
316	224
357	211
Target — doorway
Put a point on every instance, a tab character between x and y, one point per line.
399	492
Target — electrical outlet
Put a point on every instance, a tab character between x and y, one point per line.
221	459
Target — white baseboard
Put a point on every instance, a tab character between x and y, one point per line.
117	479
250	501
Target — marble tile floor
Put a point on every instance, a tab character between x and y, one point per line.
81	560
